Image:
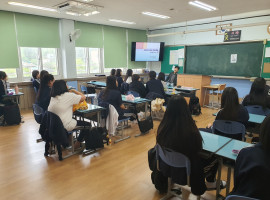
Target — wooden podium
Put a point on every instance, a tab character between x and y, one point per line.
195	81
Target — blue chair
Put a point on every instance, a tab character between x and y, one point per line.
88	95
38	115
172	159
135	94
258	110
230	129
236	197
73	84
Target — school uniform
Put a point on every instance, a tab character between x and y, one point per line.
120	81
36	84
252	173
3	89
62	105
138	87
155	86
129	80
114	98
44	98
172	78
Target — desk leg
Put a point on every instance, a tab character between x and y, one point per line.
98	119
219	177
228	180
205	90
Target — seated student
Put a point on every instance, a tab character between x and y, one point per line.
44	92
36	80
3	84
178	132
112	95
257	94
128	77
137	86
267	90
119	77
113	71
252	167
61	104
172	78
42	74
155	86
161	77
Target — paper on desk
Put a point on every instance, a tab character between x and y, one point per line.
267	52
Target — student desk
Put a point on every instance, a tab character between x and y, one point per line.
258	119
209	88
97	83
135	103
184	91
13	96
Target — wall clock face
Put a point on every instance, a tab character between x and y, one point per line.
268	28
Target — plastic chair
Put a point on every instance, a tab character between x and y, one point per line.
236	197
135	94
88	95
38	113
73	84
172	159
230	129
258	110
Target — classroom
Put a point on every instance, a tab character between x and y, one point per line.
135	100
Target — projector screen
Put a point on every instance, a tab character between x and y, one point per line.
147	51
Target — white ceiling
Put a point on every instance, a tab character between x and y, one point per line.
130	10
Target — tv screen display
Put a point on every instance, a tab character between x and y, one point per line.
147	51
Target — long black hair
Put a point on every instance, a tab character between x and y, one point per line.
59	87
3	75
161	76
44	83
265	134
135	77
113	72
128	74
110	85
178	130
43	73
152	75
229	104
118	72
257	93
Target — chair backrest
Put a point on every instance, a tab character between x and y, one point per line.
173	159
152	96
230	129
38	113
135	94
258	110
236	197
73	84
124	88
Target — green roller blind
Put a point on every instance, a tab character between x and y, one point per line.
91	35
115	47
37	31
8	43
135	36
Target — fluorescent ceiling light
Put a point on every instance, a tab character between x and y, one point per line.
202	5
156	15
72	13
31	6
92	13
121	21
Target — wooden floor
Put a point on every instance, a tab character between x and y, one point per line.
119	171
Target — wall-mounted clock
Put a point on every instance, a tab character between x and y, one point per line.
268	28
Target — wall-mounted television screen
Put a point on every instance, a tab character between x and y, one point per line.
147	51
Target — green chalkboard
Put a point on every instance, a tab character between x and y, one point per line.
165	64
216	59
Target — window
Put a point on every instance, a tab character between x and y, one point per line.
38	59
88	60
11	73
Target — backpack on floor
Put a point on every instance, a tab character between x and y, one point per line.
12	114
194	106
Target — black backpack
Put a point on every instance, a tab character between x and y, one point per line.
12	114
194	106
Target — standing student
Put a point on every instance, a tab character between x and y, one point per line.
113	72
172	78
154	86
252	167
112	95
257	94
178	132
137	86
128	77
119	77
44	92
36	80
161	77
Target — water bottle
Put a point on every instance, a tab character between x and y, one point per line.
95	102
16	89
